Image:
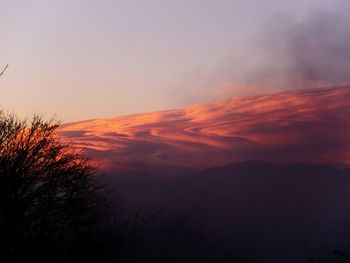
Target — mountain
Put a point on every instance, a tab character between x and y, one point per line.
279	213
310	126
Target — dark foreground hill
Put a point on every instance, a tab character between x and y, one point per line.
279	213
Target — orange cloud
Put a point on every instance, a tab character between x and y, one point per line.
295	126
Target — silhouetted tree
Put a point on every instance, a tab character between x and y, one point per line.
46	193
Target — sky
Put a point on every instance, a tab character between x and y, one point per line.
85	59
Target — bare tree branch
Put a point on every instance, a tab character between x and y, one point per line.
2	72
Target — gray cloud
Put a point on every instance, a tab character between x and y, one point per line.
308	52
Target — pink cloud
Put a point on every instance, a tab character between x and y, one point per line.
294	126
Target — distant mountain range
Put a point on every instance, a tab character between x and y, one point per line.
277	212
310	126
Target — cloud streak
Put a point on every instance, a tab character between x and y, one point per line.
295	126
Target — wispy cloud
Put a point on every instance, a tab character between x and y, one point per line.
295	126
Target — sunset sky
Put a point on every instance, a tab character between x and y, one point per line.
175	130
83	59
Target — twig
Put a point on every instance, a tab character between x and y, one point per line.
2	72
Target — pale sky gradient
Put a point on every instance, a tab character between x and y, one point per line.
83	59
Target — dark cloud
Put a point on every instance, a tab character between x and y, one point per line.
305	52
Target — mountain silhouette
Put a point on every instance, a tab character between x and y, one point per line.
272	209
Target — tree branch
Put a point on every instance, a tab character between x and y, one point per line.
2	72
